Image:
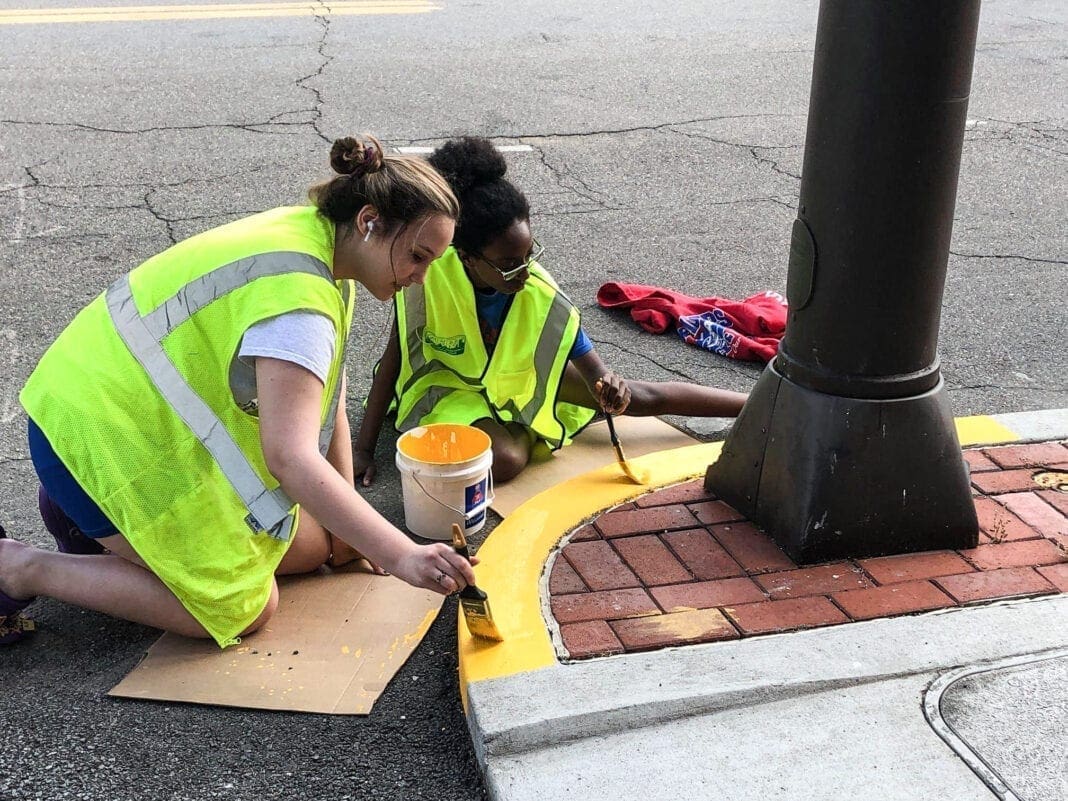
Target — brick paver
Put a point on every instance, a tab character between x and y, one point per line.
892	599
715	512
1058	500
1037	455
752	548
676	628
787	615
1014	554
914	566
978	463
599	566
702	555
690	492
1000	524
706	594
649	558
1036	513
986	584
822	580
1057	575
605	605
678	566
1005	481
641	521
564	580
592	638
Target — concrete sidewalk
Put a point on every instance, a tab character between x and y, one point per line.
939	675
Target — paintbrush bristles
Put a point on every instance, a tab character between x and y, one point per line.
458	540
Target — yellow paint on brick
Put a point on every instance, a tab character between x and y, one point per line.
692	624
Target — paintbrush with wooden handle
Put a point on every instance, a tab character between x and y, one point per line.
474	601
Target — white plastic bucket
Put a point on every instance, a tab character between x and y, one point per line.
445	478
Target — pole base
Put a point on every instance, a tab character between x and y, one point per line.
830	477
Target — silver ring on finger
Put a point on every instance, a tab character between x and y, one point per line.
440	577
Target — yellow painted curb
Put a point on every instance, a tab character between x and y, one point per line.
514	555
983	430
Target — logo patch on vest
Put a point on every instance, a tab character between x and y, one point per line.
453	346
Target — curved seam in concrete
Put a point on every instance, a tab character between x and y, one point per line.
514	554
932	710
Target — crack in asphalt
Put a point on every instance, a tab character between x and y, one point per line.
169	224
317	110
1006	256
1039	387
584	190
751	148
251	127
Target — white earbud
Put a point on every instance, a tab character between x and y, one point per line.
370	227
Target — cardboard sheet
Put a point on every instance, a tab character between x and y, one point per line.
332	647
590	450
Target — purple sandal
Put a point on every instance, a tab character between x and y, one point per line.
68	537
13	625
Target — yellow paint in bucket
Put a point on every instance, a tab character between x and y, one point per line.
445	478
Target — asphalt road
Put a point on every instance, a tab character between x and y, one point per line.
666	146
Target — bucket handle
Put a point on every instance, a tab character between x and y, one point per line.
465	515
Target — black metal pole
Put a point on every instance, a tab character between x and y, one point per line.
847	446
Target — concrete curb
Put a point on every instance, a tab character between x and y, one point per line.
593	698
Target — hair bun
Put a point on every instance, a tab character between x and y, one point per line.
469	162
356	156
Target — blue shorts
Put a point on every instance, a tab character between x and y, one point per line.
64	489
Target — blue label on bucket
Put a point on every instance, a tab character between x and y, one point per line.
475	496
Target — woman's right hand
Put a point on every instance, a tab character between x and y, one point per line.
436	567
363	467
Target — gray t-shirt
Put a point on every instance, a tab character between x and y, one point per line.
304	338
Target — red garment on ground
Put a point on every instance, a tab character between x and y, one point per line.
757	323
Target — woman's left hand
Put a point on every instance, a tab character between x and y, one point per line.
612	393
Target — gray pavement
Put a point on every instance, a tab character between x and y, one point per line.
1007	720
833	713
667	148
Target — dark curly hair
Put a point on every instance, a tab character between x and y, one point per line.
489	203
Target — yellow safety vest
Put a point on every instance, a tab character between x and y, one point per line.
446	374
135	398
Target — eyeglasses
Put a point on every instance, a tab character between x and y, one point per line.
508	274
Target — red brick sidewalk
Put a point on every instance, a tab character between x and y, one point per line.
678	566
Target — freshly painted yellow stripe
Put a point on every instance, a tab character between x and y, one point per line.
983	430
514	555
25	16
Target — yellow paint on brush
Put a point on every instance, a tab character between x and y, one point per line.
983	430
514	556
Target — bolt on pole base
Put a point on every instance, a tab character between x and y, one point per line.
830	477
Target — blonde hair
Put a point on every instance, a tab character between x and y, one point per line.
401	188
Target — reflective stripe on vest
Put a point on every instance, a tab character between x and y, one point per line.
544	357
269	510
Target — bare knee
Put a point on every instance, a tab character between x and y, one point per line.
508	464
511	445
268	611
309	550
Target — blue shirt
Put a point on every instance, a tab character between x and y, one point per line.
492	308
